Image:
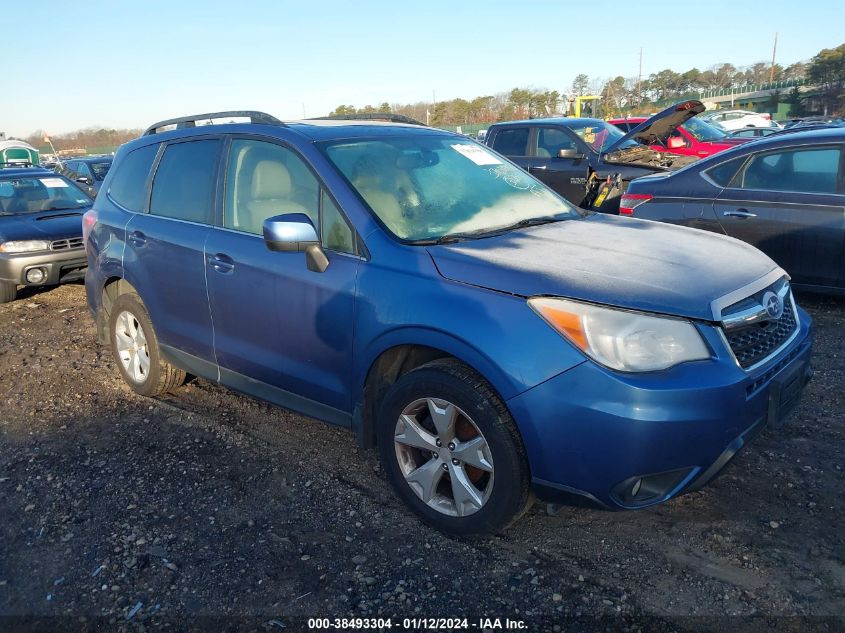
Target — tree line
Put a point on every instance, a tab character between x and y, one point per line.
92	137
631	95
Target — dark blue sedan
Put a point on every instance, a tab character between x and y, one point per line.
784	193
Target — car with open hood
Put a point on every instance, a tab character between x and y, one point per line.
40	230
694	137
407	283
589	161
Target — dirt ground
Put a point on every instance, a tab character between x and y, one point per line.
210	508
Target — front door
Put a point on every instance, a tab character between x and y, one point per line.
281	331
567	176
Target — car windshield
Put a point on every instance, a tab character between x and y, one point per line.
40	193
100	169
432	188
703	130
600	135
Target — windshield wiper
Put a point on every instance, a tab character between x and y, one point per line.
450	238
523	223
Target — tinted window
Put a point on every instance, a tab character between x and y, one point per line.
183	187
807	170
263	180
129	184
83	171
724	173
511	142
551	140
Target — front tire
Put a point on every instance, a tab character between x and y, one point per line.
451	450
135	347
8	292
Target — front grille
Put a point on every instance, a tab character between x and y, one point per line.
66	245
753	343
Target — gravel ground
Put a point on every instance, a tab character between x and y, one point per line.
208	503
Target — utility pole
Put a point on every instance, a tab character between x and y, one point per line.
772	69
639	80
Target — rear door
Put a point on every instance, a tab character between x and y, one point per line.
164	256
789	203
513	143
567	176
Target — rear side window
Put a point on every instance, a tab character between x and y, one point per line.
811	170
512	142
129	183
183	187
723	174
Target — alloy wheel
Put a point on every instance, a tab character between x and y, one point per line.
444	457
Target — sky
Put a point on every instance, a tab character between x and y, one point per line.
127	64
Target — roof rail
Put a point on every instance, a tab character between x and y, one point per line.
370	116
191	120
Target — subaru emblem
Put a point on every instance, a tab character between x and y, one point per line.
773	305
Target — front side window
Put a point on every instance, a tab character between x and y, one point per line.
82	171
551	140
100	170
129	184
183	187
263	180
811	170
512	142
427	187
41	193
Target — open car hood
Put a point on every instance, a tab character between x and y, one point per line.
656	130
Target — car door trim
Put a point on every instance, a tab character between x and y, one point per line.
256	388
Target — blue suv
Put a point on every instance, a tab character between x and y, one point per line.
493	341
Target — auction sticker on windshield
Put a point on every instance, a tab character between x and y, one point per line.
53	182
477	155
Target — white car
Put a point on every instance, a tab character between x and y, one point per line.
737	119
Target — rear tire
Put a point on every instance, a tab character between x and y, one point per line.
135	347
451	450
8	291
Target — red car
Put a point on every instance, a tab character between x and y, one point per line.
693	138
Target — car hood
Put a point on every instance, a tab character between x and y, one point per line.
656	129
47	225
622	262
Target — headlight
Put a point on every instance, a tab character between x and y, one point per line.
627	341
24	246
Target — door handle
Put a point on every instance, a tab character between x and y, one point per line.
221	263
136	238
538	167
739	213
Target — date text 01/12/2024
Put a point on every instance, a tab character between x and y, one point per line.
417	624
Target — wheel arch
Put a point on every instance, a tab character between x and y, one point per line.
403	351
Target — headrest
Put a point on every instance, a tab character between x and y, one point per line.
271	179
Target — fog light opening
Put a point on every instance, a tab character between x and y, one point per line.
35	275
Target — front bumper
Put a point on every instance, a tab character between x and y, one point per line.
58	266
625	441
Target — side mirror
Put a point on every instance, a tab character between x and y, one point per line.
676	142
570	153
85	180
294	233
